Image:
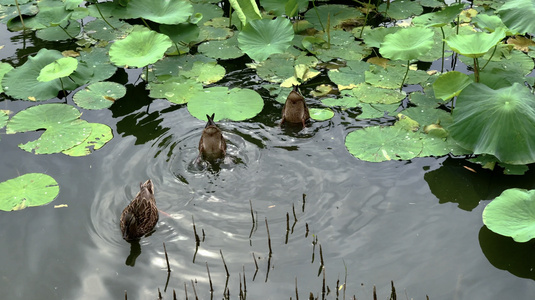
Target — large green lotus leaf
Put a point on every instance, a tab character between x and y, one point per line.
140	48
161	11
261	38
174	65
439	18
392	76
64	129
97	59
209	11
100	135
490	23
321	114
517	61
450	84
4	68
370	94
246	10
22	83
476	44
374	37
32	189
512	214
338	14
57	33
497	122
349	76
518	15
205	73
378	144
214	32
371	111
181	33
176	89
407	43
281	66
99	95
52	13
100	30
235	104
401	9
59	68
225	49
353	50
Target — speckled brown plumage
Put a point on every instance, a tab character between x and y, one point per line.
295	109
212	144
141	215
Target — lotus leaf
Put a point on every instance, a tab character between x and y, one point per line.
208	11
401	9
374	37
261	38
100	135
246	10
100	30
32	189
337	14
64	129
497	122
62	32
518	15
99	62
378	144
512	214
321	114
225	49
62	67
407	43
99	95
140	48
161	11
22	83
370	94
439	18
205	72
176	89
349	76
279	8
4	68
182	33
391	76
450	84
10	12
235	104
476	44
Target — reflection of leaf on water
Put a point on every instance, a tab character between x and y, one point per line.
505	254
145	127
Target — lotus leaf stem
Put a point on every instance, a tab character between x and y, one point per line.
365	18
476	69
145	22
318	15
20	15
493	51
103	18
66	32
405	77
443	48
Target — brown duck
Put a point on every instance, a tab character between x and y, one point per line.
212	144
141	215
295	109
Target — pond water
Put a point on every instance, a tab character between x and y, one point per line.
416	223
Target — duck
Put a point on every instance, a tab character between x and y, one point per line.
212	144
295	109
141	215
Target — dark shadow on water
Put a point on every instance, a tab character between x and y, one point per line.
465	183
135	251
506	254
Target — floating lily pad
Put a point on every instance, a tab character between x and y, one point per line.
349	76
374	37
100	30
99	95
62	67
378	144
64	129
176	89
279	67
4	68
321	114
182	33
162	12
401	9
497	122
235	104
57	33
476	44
261	38
225	49
370	94
205	73
407	43
100	135
337	14
32	189
140	48
450	84
392	76
512	214
439	18
99	63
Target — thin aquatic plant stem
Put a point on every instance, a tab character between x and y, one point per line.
443	48
405	77
20	15
101	15
493	51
